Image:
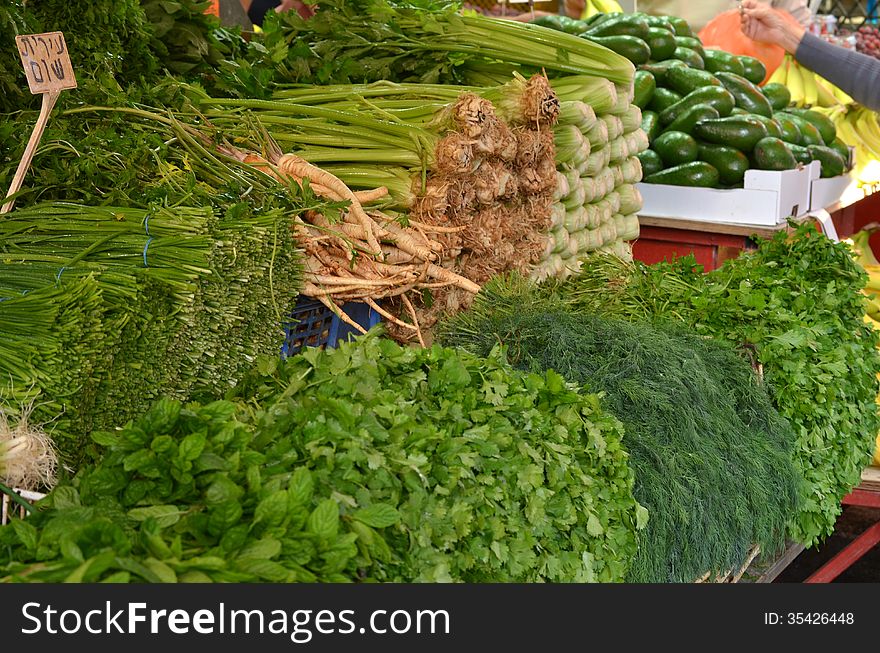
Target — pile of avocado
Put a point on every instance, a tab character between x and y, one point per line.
706	118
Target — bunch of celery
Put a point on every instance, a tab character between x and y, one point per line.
427	41
597	201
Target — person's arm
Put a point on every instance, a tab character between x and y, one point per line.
856	74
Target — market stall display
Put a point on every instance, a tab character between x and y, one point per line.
796	303
585	417
220	492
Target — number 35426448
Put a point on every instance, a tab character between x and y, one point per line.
811	618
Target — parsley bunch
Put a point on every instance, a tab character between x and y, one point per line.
497	475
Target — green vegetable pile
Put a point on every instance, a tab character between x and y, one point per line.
186	494
421	48
796	304
116	44
371	461
712	458
13	85
704	111
498	476
421	41
108	41
187	40
174	291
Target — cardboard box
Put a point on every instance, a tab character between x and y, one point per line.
835	192
768	198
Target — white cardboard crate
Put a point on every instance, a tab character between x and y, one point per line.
768	198
835	192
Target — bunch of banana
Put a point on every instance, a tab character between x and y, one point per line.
865	256
858	127
594	7
807	88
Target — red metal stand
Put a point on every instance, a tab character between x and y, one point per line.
658	243
712	244
858	547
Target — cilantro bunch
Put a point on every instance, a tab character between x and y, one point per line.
497	475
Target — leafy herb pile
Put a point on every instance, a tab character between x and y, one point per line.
174	288
116	44
186	40
13	85
711	457
498	476
796	303
108	41
371	461
187	494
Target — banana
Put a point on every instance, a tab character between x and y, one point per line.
795	83
864	255
842	96
811	92
868	129
591	9
827	99
858	128
608	6
781	72
875	324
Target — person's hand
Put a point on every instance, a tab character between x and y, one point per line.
765	25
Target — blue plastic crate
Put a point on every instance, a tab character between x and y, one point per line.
311	324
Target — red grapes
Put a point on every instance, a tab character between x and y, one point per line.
868	40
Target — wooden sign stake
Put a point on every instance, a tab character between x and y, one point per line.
49	71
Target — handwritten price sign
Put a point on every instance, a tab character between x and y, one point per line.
47	66
46	62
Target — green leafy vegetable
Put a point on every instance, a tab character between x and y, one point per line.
711	457
327	473
477	473
796	304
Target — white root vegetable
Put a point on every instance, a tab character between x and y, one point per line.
297	167
27	455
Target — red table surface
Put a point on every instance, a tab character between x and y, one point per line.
657	243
